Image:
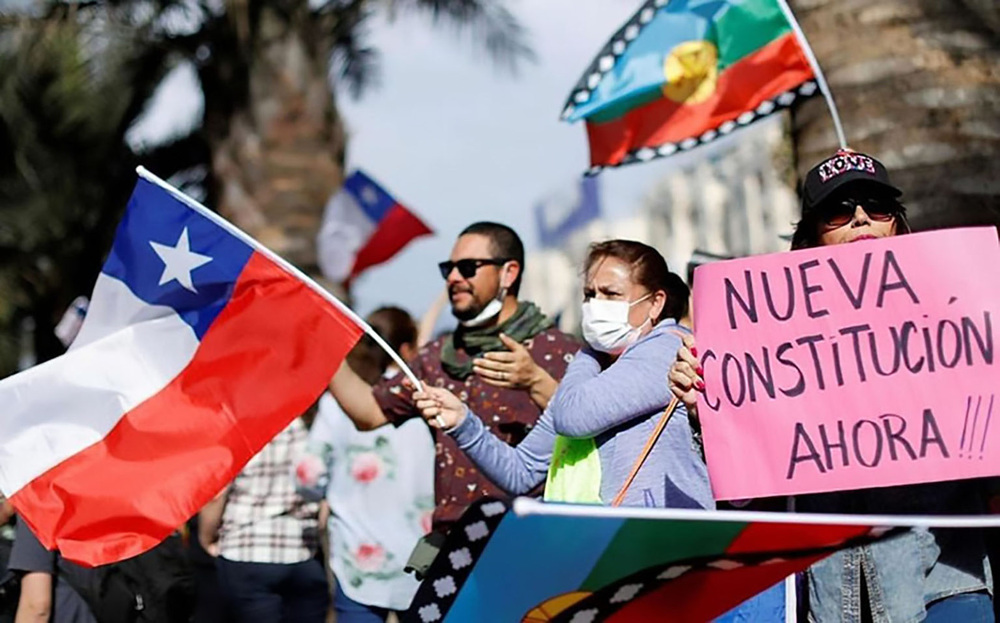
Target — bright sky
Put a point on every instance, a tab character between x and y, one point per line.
458	141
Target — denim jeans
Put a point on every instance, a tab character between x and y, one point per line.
350	611
967	608
283	593
766	606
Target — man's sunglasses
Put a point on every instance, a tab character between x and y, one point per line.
841	212
467	268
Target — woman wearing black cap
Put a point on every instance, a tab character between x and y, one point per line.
848	198
929	575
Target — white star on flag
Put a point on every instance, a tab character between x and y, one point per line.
369	195
179	261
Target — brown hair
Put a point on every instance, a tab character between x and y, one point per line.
505	244
649	270
806	235
396	327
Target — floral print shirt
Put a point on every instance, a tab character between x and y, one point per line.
508	413
379	485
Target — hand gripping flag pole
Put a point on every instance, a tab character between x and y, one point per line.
824	88
274	257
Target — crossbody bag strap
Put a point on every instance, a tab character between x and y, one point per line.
646	450
669	411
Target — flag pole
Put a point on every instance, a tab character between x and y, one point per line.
280	261
824	88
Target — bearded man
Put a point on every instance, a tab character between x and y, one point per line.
504	360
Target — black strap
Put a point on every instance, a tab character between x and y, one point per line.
52	591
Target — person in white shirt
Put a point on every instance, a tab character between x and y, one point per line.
379	485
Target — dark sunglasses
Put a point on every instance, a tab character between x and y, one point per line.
467	268
840	213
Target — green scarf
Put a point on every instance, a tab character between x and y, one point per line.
527	322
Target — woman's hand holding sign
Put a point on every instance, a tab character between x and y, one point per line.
685	376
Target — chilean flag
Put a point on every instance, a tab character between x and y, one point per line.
198	347
363	226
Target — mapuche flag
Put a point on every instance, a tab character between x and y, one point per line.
681	73
567	563
199	346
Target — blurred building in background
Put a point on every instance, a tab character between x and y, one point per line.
735	200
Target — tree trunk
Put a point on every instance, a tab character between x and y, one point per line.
988	11
918	86
276	138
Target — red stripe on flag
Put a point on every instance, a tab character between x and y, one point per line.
703	594
396	229
767	537
263	362
777	67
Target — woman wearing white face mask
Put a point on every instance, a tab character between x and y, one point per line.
600	439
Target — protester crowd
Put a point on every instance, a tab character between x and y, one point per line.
344	509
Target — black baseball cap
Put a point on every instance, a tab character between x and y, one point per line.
844	167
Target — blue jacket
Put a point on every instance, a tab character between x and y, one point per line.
619	407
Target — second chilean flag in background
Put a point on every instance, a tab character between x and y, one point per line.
363	226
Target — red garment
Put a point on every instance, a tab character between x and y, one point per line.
508	413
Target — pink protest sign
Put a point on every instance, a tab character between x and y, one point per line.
861	365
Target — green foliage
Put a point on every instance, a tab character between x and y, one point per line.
488	23
70	88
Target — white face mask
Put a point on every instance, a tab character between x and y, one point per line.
491	311
606	327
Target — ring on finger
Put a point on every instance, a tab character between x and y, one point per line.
440	421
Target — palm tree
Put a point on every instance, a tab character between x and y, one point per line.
65	168
918	87
271	138
276	139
